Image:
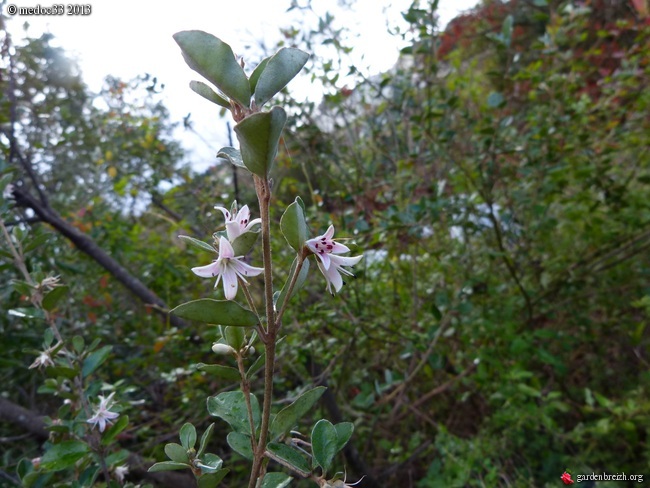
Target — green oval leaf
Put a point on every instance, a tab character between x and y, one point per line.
324	441
211	480
176	453
218	312
212	58
276	480
234	336
289	416
233	155
302	277
205	438
220	371
280	69
344	431
188	436
63	455
115	429
290	456
167	466
208	93
95	360
243	243
294	225
255	75
241	444
231	407
259	135
52	298
211	463
203	246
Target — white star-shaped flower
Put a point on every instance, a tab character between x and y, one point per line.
239	223
330	263
103	415
229	267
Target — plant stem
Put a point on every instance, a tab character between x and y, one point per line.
246	388
292	284
263	191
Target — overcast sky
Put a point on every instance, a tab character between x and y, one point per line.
127	38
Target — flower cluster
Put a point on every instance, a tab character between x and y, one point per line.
231	269
227	266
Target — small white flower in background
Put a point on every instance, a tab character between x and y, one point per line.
45	358
229	267
330	263
120	472
49	283
103	415
239	223
8	192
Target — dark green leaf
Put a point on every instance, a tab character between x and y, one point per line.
214	59
188	436
218	312
36	242
203	246
281	68
294	225
324	442
205	438
241	444
233	155
118	457
211	463
95	360
231	407
290	415
61	371
52	298
225	372
344	431
167	466
255	75
290	456
234	336
208	93
115	429
212	479
63	455
302	276
243	243
176	453
276	480
78	343
259	136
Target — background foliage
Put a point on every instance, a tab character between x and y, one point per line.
496	180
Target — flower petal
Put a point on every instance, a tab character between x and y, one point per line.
208	271
225	212
339	248
244	269
230	283
345	260
330	233
334	277
225	249
325	259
